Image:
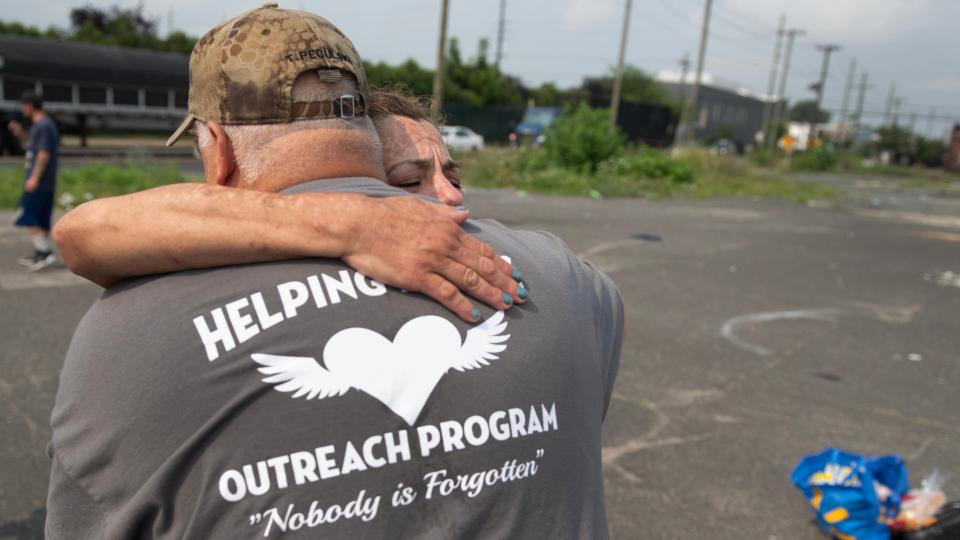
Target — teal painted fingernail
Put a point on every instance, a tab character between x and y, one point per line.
475	314
522	291
507	299
517	275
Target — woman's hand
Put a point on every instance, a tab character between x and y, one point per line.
419	246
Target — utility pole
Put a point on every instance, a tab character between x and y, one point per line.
500	27
691	106
618	81
827	50
846	97
864	86
913	121
930	117
779	106
891	97
772	83
438	76
896	110
684	69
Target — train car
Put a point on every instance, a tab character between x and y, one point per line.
89	87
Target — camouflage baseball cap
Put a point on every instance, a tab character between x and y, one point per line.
243	70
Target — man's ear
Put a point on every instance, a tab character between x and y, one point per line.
223	162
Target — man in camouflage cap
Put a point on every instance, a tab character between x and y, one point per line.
302	399
266	74
243	71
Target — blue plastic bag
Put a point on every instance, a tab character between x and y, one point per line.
842	488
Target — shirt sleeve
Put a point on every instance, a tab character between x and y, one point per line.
610	327
71	511
47	138
608	310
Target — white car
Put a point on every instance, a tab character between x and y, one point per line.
461	139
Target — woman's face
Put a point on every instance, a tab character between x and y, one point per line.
416	159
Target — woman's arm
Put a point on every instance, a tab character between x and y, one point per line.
402	241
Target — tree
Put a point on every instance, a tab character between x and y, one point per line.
807	111
548	95
17	29
477	82
115	26
409	75
894	139
907	147
178	42
637	86
930	152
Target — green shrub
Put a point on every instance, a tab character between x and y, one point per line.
705	163
648	163
581	139
820	159
644	173
761	158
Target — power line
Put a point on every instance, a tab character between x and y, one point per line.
751	32
748	20
683	18
883	113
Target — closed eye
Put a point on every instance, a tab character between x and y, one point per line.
409	183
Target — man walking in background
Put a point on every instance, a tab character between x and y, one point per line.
40	179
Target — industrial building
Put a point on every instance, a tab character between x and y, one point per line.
722	113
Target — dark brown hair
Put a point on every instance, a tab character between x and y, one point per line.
397	101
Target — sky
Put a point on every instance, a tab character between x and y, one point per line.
912	42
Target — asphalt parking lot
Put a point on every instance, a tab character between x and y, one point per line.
757	332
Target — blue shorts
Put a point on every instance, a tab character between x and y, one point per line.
35	210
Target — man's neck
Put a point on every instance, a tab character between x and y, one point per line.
330	170
308	155
37	116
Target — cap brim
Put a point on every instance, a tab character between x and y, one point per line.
184	126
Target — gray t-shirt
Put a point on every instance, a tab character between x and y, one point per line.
301	399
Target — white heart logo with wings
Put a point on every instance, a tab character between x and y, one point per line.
401	373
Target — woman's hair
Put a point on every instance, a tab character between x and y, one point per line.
398	101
